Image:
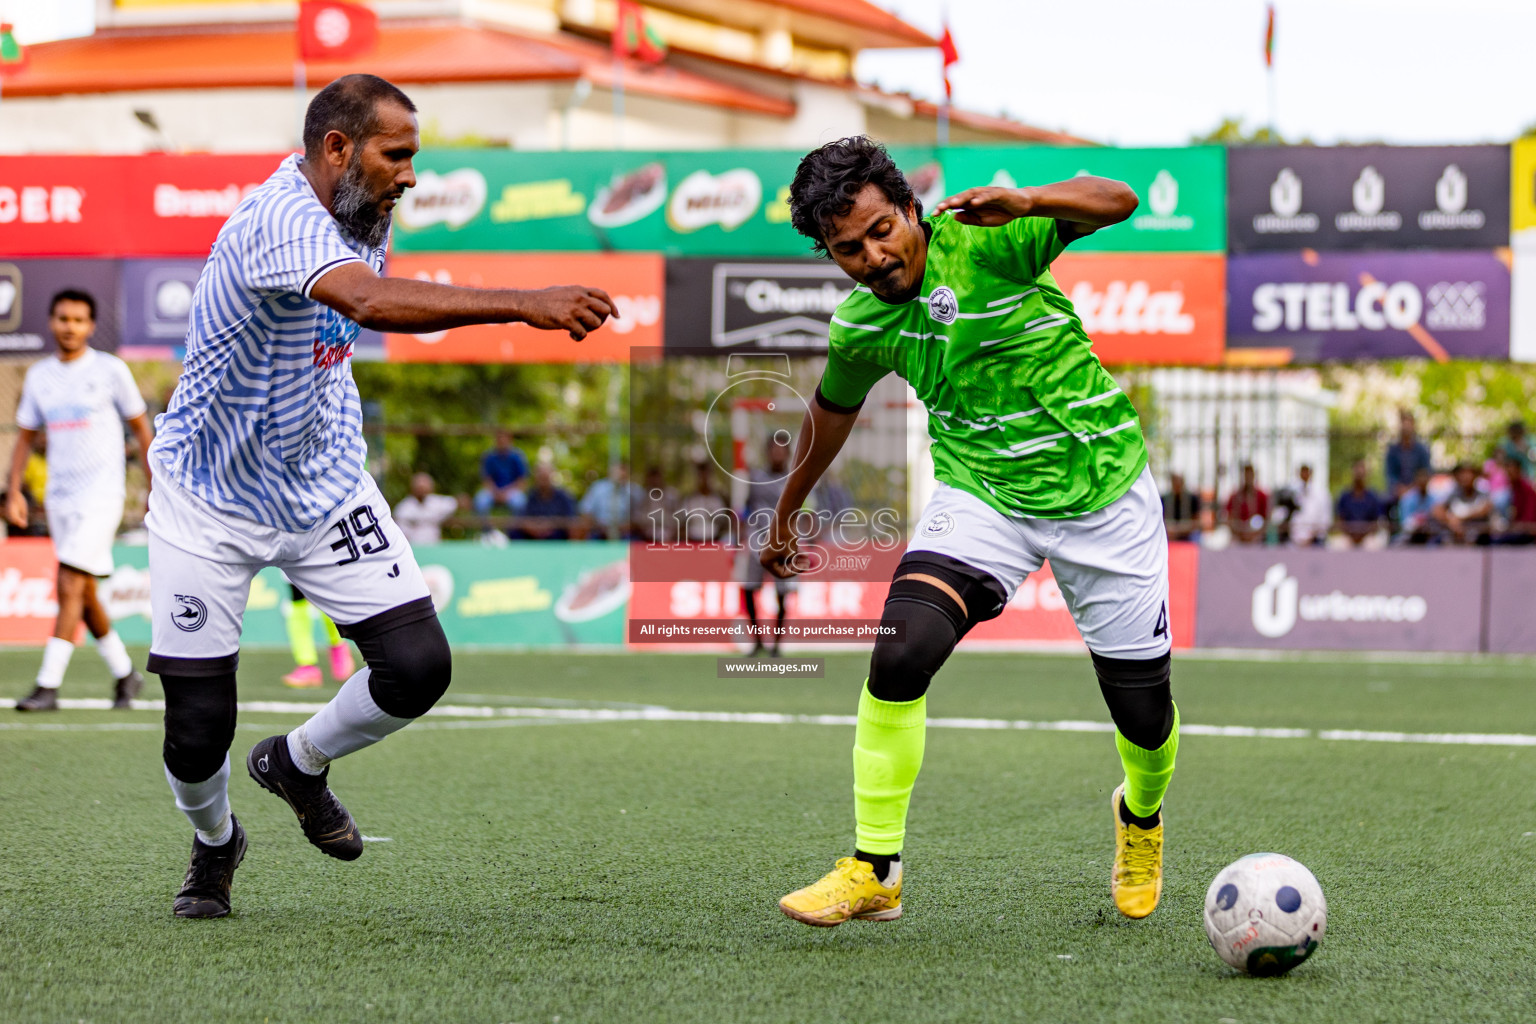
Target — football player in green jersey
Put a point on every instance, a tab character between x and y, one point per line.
1038	454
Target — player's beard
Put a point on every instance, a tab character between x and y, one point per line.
356	209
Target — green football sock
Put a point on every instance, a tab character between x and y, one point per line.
887	753
301	635
332	634
1147	772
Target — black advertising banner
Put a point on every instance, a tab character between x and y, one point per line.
27	286
758	304
1367	197
157	305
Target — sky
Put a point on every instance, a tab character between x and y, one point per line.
1155	72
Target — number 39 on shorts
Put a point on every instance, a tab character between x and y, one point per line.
360	535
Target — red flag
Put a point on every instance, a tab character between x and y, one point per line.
631	35
1269	39
951	56
336	30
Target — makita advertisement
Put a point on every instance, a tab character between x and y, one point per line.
1149	309
1312	307
1310	599
783	305
28	286
1367	197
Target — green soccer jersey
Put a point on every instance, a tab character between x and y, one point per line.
1021	412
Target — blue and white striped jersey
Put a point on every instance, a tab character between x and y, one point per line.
265	423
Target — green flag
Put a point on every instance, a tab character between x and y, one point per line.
10	49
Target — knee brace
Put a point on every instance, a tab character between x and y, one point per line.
1140	697
928	622
199	714
409	662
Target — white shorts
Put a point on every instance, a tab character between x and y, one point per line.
1111	565
354	566
83	534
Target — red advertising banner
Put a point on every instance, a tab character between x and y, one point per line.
28	603
1037	614
156	205
1158	309
635	281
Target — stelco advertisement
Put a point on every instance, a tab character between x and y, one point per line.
1367	197
1310	307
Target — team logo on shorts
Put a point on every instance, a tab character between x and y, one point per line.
942	305
940	525
189	618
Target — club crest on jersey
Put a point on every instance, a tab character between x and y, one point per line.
940	525
942	305
189	618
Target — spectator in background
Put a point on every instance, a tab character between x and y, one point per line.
1360	509
1181	510
421	513
1314	510
501	471
1496	476
1405	458
549	511
1248	509
1416	524
706	516
1520	525
1518	447
652	513
1466	512
606	505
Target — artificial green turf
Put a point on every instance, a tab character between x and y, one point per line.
628	871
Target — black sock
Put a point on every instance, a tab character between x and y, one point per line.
881	862
1131	819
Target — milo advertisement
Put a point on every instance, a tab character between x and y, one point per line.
528	594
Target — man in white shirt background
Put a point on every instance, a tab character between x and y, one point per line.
82	398
1314	510
420	514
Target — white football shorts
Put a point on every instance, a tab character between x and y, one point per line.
83	534
1111	565
353	566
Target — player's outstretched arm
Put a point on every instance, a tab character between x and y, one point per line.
15	503
420	307
145	435
822	435
1086	202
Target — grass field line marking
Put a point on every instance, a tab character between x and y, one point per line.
469	715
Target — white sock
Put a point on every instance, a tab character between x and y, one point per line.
350	722
206	804
112	651
55	660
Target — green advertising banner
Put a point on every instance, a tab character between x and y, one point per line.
527	594
735	202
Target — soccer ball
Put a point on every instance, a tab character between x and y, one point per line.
1265	914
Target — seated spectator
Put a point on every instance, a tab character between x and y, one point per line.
421	513
1181	510
607	503
1405	458
1518	447
1496	475
1248	510
1314	510
1360	509
706	517
1466	512
652	512
1415	523
1520	522
501	472
549	511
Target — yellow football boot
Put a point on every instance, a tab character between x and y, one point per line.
850	890
1137	880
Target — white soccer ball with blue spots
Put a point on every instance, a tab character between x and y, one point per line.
1265	914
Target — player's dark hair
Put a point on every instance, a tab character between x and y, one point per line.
830	178
349	105
73	295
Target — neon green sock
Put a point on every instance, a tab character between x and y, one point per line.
1147	772
887	753
332	634
301	635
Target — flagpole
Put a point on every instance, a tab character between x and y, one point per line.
618	102
300	87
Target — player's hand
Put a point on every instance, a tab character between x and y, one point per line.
16	510
988	206
575	309
779	551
